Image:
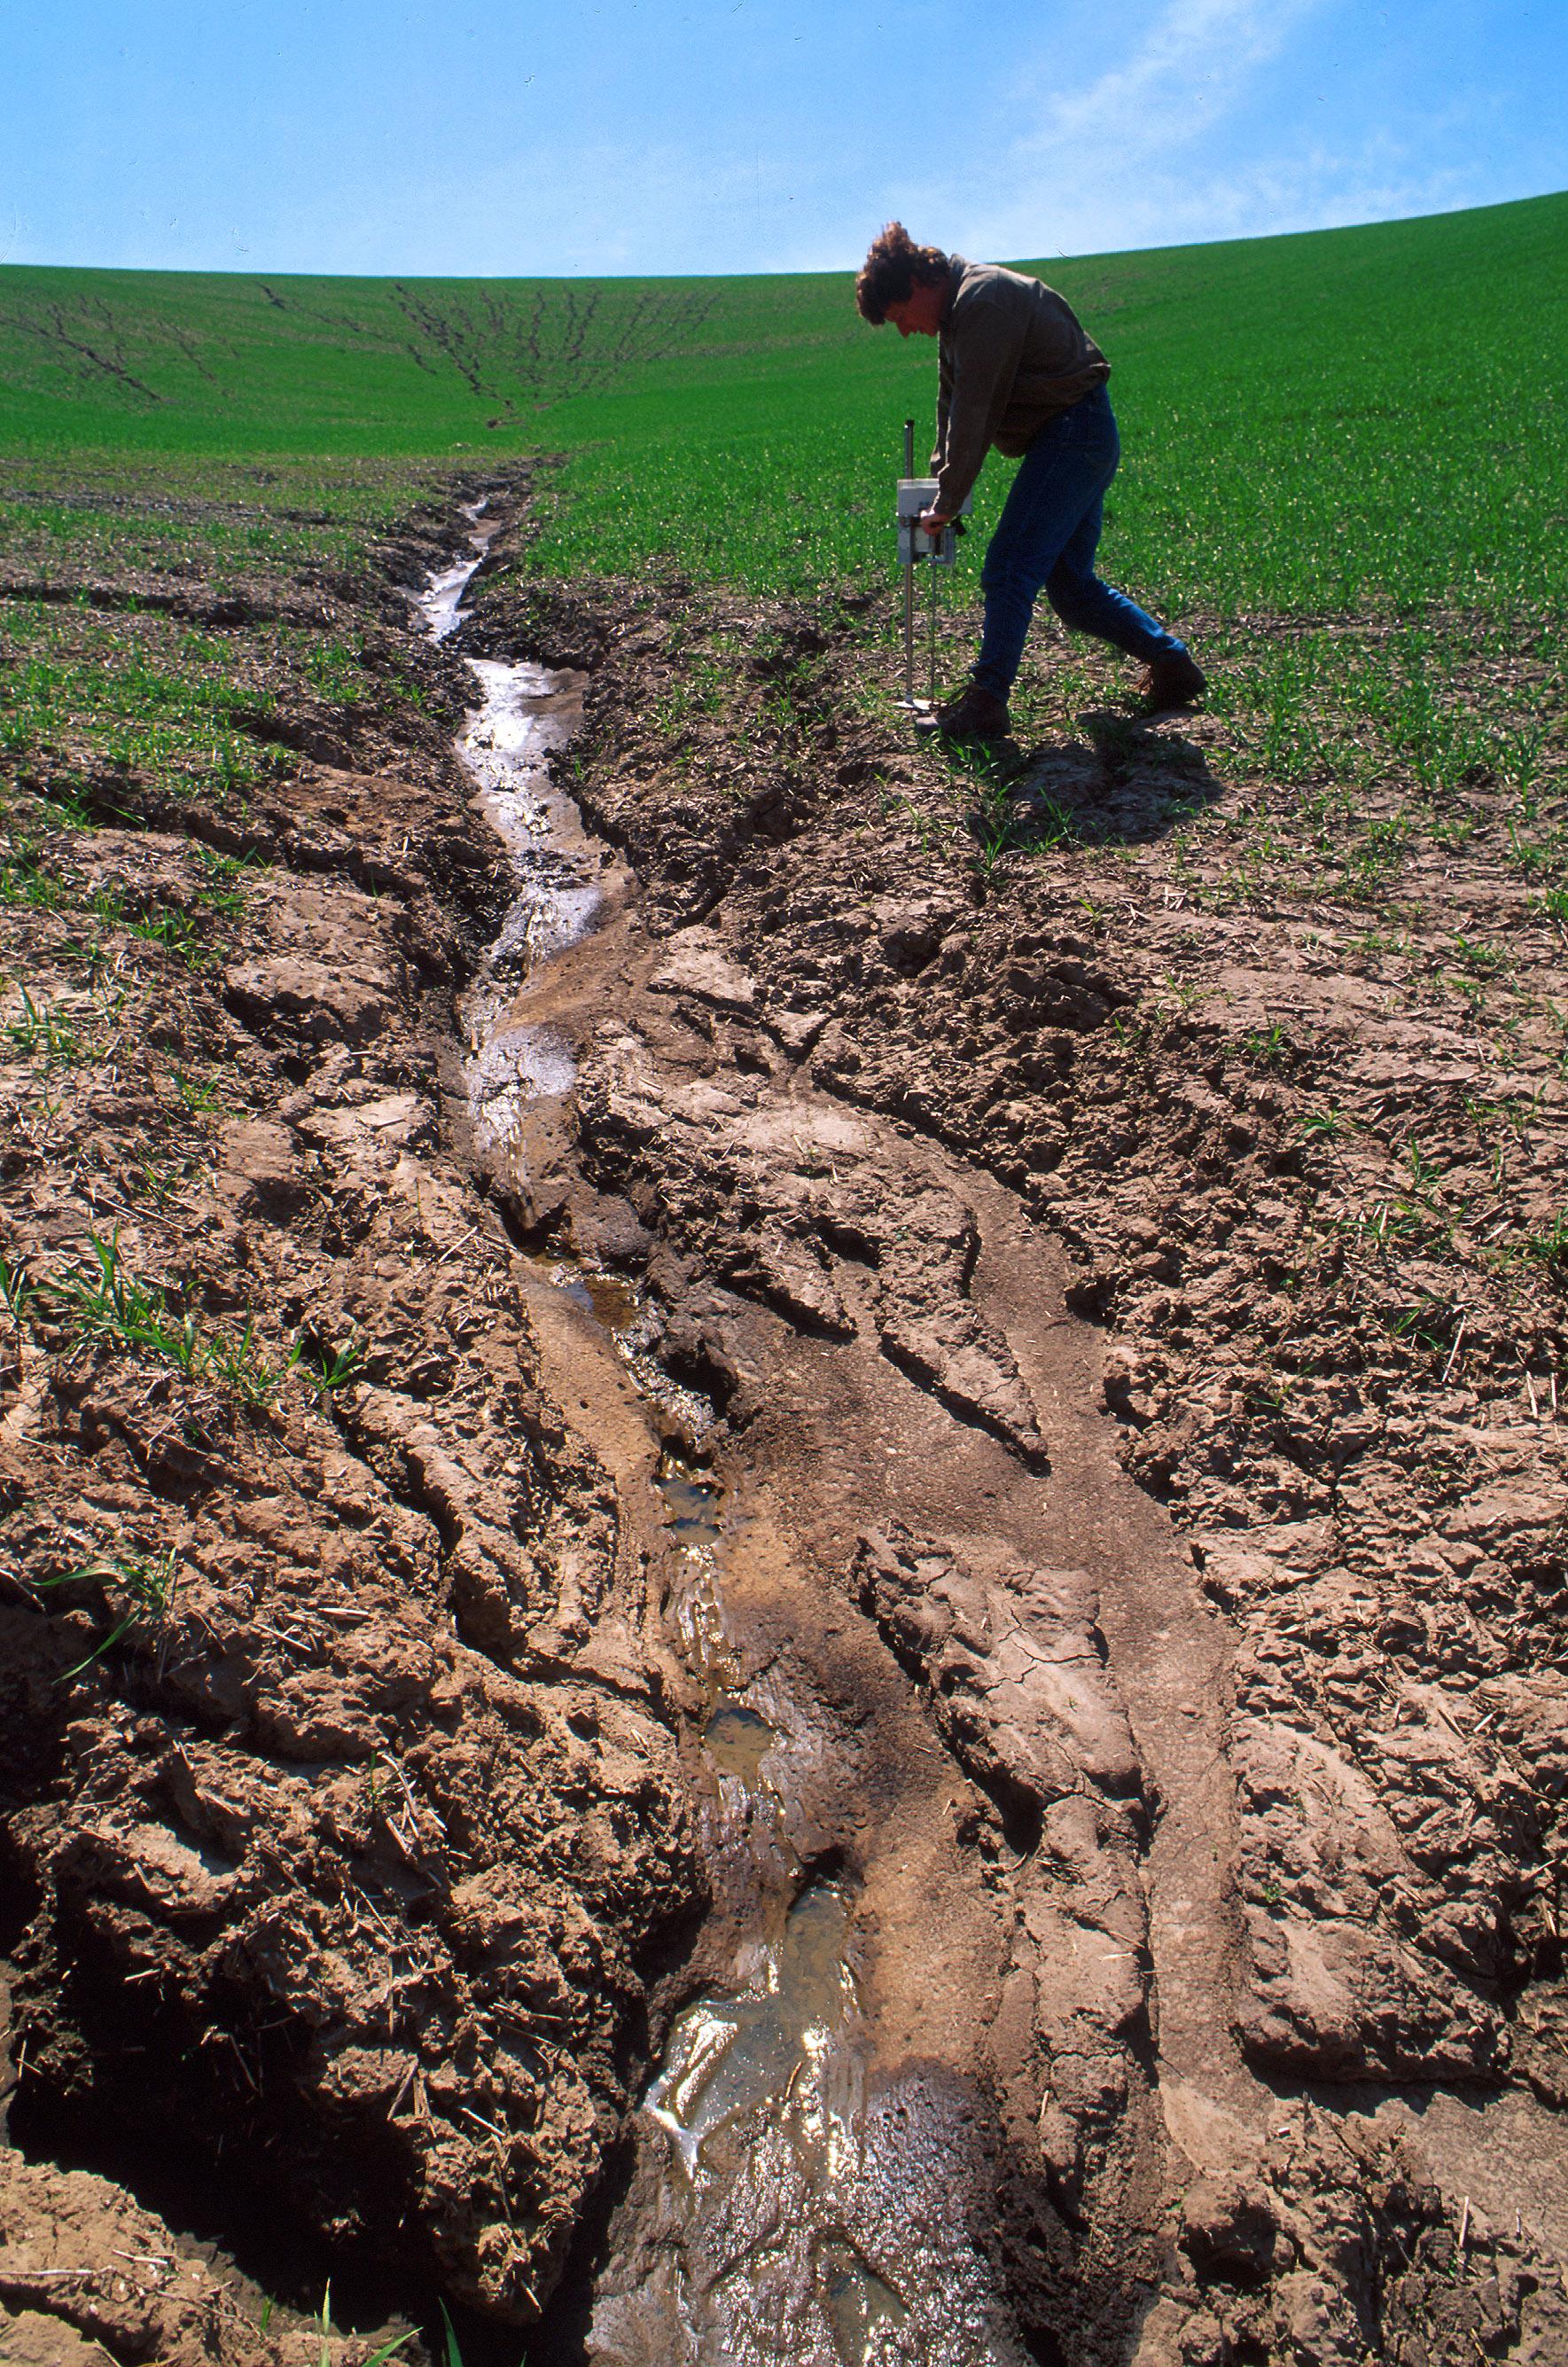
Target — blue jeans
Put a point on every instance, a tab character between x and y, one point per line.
1046	536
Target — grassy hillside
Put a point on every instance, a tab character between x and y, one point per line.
1347	476
1348	419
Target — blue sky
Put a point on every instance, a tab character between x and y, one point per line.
749	135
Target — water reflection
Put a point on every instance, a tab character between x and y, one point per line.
778	2045
738	1739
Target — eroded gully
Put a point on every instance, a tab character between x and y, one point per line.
956	2026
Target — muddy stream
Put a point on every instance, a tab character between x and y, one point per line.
792	2197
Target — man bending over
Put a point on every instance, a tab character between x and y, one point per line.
1017	370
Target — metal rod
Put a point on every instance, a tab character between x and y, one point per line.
910	576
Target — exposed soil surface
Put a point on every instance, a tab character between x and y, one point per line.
335	1879
887	1685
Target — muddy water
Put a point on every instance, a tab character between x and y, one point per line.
738	1739
792	2199
727	2057
524	711
441	602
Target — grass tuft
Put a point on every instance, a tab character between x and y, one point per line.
101	1300
138	1588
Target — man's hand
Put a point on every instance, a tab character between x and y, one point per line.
932	521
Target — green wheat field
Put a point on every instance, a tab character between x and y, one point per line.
1323	421
1363	431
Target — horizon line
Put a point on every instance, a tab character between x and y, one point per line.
832	271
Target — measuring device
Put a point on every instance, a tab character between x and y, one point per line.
916	495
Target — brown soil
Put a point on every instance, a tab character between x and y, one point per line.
968	1172
1165	1628
335	1883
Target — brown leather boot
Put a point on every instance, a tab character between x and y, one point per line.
1172	682
975	714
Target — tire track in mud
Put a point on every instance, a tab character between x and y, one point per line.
872	1794
757	1632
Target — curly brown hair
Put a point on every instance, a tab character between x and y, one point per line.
893	269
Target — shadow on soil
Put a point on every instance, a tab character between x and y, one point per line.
246	2213
1127	781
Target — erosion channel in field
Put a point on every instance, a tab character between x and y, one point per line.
794	2195
965	2060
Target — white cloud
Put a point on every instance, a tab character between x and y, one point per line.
1186	72
1187	141
1317	189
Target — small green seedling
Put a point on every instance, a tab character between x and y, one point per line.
330	1367
1548	1245
384	2351
200	1098
1424	1171
146	1583
1268	1049
15	1290
1326	1125
340	1365
1485	961
103	1301
239	1365
43	1029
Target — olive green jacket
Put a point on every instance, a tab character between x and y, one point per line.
1013	355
